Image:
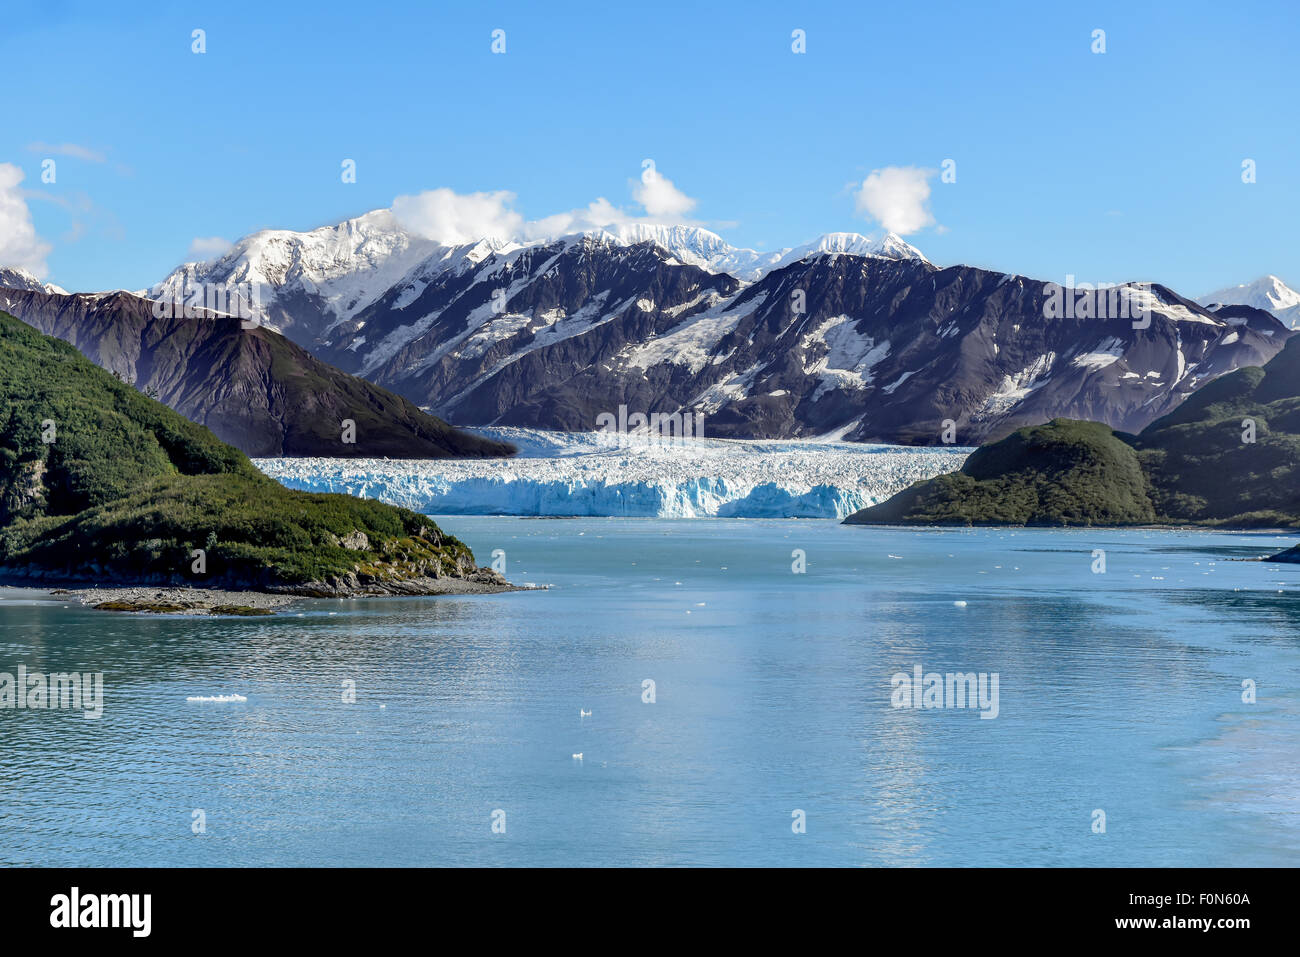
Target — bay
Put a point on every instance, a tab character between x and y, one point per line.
1118	692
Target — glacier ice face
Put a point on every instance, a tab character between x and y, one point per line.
583	473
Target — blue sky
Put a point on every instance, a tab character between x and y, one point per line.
1119	166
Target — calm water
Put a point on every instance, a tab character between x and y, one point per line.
1120	692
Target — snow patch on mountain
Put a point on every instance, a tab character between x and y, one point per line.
1143	298
1107	352
692	343
849	355
739	385
1015	388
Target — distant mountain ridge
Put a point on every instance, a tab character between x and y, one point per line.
1268	293
695	246
849	335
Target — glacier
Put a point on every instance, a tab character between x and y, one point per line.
587	474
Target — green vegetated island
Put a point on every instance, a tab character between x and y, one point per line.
1228	457
101	484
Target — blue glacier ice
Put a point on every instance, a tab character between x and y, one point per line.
582	474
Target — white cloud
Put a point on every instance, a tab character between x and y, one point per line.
449	217
595	215
660	197
19	244
210	247
897	197
68	149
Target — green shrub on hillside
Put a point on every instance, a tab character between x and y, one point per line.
1063	473
1229	455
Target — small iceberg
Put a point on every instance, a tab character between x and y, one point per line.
217	698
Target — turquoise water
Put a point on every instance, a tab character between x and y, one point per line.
1118	691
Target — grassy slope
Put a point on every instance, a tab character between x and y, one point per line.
128	487
1200	468
1191	466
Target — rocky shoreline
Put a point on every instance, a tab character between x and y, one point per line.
186	600
178	601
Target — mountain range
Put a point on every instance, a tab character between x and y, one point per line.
857	337
851	336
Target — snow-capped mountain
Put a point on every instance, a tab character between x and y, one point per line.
847	335
308	281
690	245
888	246
1269	293
552	336
694	246
12	277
